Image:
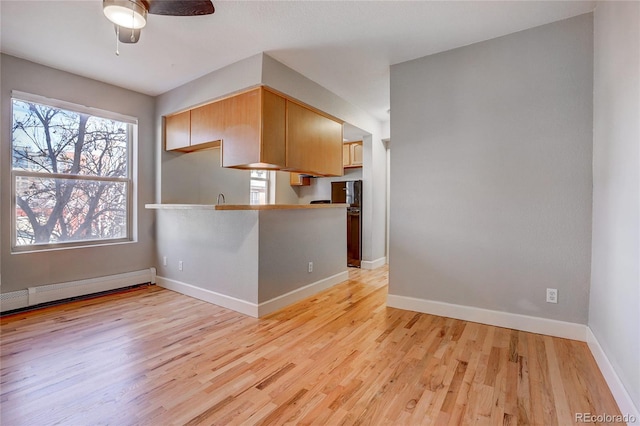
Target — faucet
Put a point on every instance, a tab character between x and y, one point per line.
219	196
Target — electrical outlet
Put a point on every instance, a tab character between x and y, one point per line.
310	266
180	265
552	295
164	260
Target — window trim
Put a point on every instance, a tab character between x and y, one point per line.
130	180
57	103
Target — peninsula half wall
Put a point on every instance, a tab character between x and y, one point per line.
251	259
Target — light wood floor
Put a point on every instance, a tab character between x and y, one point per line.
155	357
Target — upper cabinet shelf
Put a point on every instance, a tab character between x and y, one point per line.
261	129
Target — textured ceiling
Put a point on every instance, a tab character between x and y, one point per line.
345	46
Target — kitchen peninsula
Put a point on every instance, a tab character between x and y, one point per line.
253	259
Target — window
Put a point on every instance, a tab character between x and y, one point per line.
259	187
71	172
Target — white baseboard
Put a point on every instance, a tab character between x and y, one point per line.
229	302
373	264
619	392
53	292
298	294
250	308
567	330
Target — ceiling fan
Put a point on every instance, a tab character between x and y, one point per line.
130	16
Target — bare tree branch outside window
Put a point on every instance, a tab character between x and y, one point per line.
71	174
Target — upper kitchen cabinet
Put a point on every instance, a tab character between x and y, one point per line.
196	129
261	129
314	141
177	131
297	179
254	130
352	154
265	130
207	125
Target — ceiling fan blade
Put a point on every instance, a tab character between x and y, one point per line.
181	7
125	35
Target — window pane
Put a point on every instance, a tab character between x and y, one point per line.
258	192
257	197
52	210
53	140
260	174
259	186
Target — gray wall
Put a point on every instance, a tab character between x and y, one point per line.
290	239
491	173
285	193
253	256
20	271
198	178
614	314
219	250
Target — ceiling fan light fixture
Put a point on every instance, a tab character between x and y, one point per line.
130	14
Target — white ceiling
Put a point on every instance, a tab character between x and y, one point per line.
345	46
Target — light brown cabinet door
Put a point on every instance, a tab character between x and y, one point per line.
354	150
177	131
254	130
314	142
346	155
356	154
240	143
207	123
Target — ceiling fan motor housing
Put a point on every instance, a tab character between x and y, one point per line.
130	16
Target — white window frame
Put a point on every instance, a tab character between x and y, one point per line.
130	180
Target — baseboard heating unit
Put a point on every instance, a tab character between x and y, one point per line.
39	295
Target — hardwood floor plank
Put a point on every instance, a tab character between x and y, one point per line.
151	356
563	412
542	398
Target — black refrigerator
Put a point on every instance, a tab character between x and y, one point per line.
350	192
